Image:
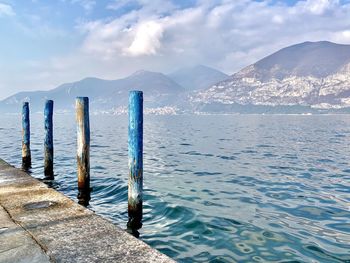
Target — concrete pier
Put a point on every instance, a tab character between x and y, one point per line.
39	224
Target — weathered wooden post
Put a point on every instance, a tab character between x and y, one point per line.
48	144
26	156
83	149
135	145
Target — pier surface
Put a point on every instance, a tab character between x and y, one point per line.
39	224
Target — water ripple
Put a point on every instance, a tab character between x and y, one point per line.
263	189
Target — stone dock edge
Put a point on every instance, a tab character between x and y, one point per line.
39	224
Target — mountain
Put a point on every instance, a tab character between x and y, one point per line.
198	77
159	90
316	59
310	75
307	77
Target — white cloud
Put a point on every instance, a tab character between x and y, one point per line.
160	36
6	10
105	40
226	34
317	7
342	37
147	39
278	19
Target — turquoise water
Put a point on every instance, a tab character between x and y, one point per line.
234	188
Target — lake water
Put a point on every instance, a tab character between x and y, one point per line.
225	188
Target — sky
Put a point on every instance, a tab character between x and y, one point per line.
44	43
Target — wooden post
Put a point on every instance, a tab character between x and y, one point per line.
48	144
135	145
26	156
83	149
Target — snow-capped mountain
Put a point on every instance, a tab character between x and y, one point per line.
310	74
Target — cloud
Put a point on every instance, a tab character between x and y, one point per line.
342	36
6	10
225	34
105	40
318	7
160	35
147	39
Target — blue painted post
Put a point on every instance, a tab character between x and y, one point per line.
135	145
83	149
48	144
26	156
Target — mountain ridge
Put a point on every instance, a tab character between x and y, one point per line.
197	77
106	95
312	74
309	76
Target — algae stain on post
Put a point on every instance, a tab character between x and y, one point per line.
26	156
83	149
135	150
48	144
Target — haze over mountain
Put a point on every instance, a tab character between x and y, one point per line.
198	77
310	74
160	90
